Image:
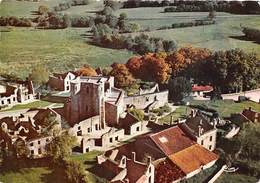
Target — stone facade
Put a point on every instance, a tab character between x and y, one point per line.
61	82
30	127
12	93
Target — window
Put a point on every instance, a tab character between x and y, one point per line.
39	151
147	99
68	87
87	149
39	142
3	102
96	126
47	140
32	152
78	127
150	179
89	129
79	133
202	142
111	140
8	101
31	144
116	138
210	147
150	169
210	138
14	99
137	129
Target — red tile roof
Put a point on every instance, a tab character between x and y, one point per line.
172	140
201	88
192	158
135	170
166	171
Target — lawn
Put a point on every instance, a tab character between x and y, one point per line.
25	175
59	50
36	104
224	107
45	175
227	107
235	178
180	112
88	160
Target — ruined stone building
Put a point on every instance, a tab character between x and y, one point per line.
61	82
12	93
96	111
32	128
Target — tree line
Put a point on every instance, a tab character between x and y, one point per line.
236	7
227	71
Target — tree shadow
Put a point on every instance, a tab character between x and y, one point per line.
244	38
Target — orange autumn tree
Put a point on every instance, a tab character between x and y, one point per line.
86	70
186	57
149	67
135	65
123	78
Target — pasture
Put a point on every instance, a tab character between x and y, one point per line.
60	50
225	34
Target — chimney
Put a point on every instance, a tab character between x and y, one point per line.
171	122
149	160
133	156
193	113
200	130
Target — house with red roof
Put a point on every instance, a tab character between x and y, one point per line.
200	90
172	152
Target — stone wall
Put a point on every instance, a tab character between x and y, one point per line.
143	101
56	84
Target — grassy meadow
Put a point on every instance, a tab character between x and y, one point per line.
66	49
59	50
223	35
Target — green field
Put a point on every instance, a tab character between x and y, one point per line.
215	37
44	175
235	178
59	50
224	107
36	104
25	175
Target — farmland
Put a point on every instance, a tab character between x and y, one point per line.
65	49
223	35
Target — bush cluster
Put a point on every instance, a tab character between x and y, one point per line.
67	5
252	33
189	24
15	21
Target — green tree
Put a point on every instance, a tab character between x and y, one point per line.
39	75
139	114
20	148
74	172
61	146
179	88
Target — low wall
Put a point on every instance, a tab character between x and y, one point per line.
218	174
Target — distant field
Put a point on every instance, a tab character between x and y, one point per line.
235	178
59	50
215	37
